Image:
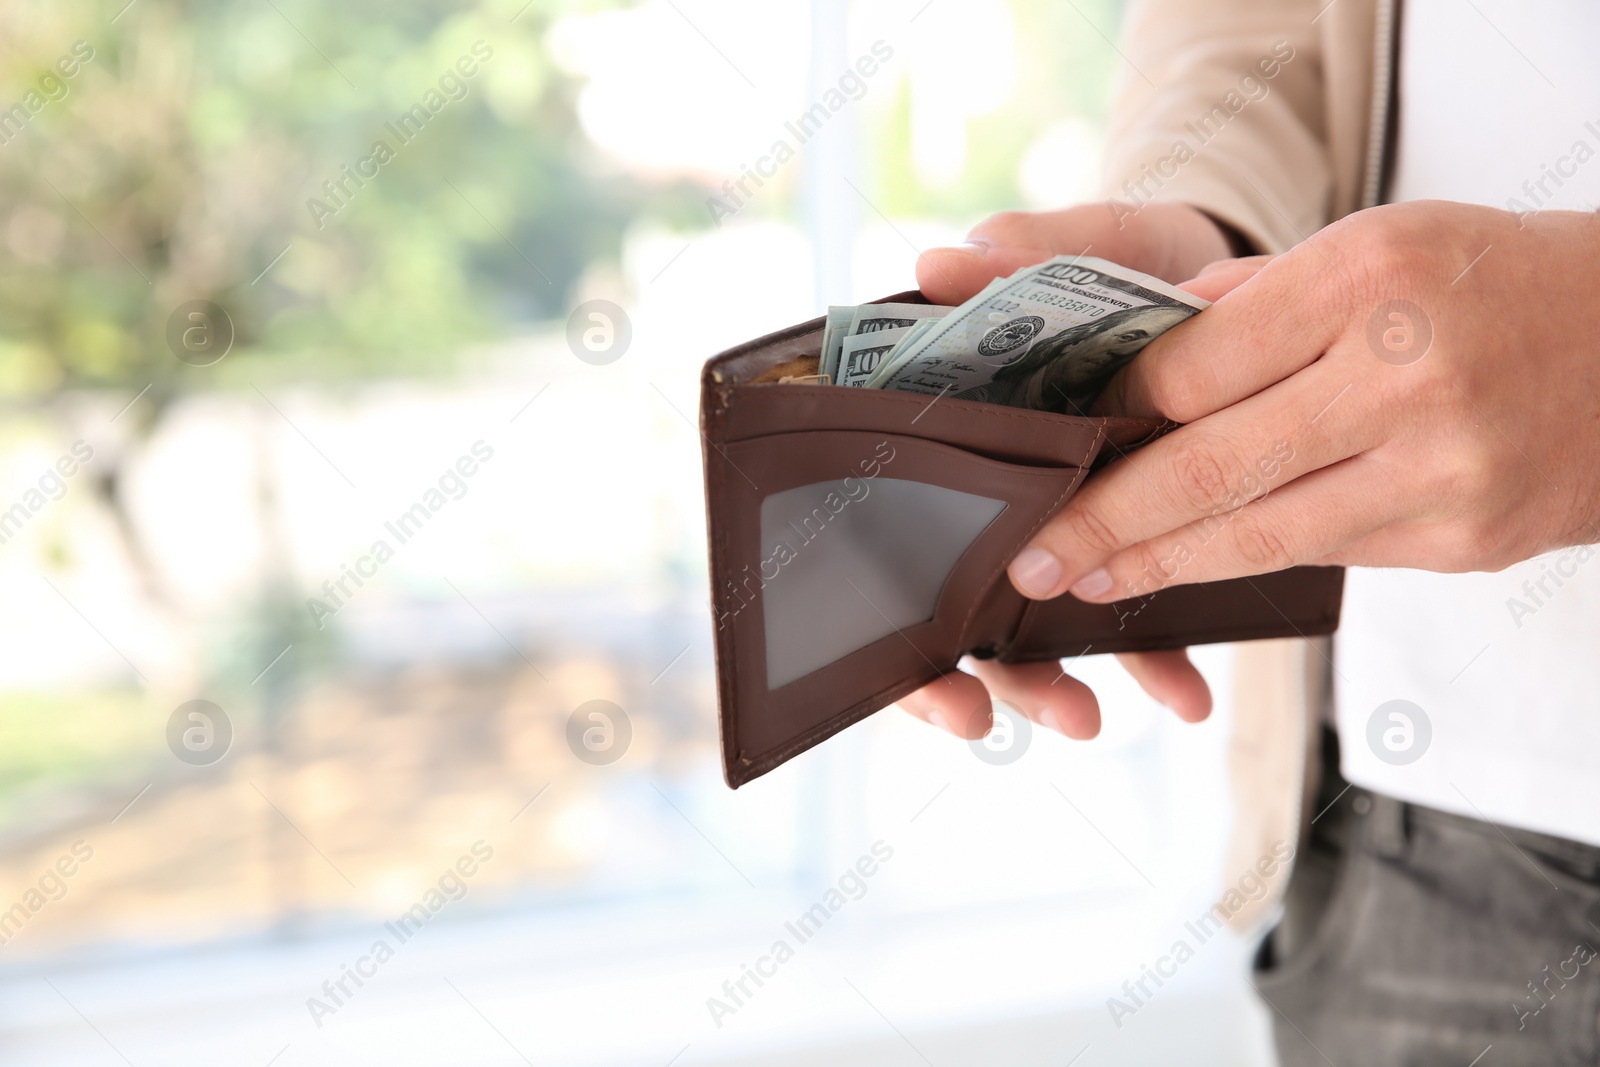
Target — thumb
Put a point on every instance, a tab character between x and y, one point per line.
1005	243
1219	279
956	274
1168	240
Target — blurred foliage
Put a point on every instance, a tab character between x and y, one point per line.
177	165
87	736
180	162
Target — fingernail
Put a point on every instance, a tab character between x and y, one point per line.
973	248
1035	572
1094	584
1047	719
937	718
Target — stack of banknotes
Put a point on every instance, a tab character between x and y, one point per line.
1049	337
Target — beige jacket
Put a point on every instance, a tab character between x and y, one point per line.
1273	116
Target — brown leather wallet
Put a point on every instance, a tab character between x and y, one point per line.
859	540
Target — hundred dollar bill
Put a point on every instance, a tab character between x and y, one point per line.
870	318
913	336
874	327
862	354
876	336
832	338
1048	337
908	338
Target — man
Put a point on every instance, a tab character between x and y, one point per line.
1422	333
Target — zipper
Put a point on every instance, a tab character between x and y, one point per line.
1382	95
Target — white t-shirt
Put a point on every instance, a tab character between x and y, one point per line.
1499	104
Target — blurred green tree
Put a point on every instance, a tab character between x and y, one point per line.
185	158
181	160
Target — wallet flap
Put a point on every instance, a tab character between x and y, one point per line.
854	566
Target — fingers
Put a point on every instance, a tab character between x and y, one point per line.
1170	679
1044	693
957	702
1303	522
955	275
1197	474
1056	700
1264	327
1219	279
1170	241
1003	244
961	703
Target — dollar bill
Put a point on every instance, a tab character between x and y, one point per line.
861	356
871	318
863	353
839	319
870	326
1049	337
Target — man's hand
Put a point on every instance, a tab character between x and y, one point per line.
1172	242
1416	386
1169	241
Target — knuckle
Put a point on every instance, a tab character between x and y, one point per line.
1478	475
1200	475
1486	539
1388	248
1261	544
1086	526
1473	471
1464	544
1146	570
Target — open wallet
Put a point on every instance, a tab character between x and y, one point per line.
859	540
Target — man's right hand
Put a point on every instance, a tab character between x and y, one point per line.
1173	242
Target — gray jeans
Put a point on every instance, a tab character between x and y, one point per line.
1418	938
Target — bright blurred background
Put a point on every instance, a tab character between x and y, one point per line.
379	332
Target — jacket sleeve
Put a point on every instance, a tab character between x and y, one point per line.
1221	106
